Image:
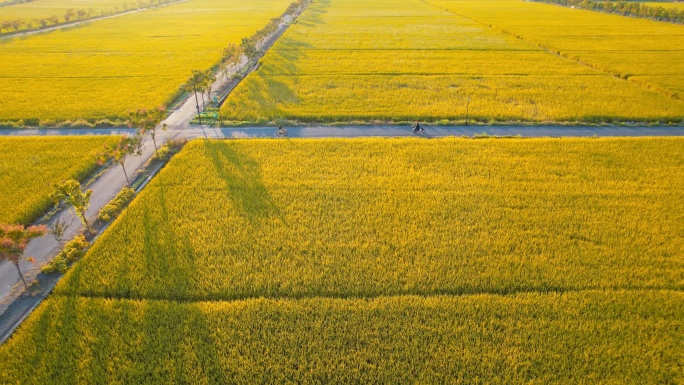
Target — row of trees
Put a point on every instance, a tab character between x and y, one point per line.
73	15
202	82
146	122
625	8
15	238
250	48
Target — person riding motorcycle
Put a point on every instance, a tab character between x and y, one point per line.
281	131
418	128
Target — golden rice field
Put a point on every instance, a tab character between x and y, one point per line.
652	52
666	5
371	217
384	60
29	167
39	9
626	337
384	261
106	68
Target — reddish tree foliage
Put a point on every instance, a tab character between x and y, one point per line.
13	242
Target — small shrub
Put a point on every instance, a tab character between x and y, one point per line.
162	154
114	208
72	251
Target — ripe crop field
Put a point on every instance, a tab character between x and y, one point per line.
242	219
394	61
648	52
108	67
608	337
29	167
379	261
39	9
666	5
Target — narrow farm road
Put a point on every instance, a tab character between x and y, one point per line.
104	187
182	129
113	179
444	131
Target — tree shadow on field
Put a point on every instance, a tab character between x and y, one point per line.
242	175
168	260
178	347
313	16
99	341
268	96
53	341
284	60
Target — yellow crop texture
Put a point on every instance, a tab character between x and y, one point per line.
368	217
604	337
386	60
39	9
106	68
666	5
652	52
29	167
383	261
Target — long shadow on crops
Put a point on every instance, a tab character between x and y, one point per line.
267	89
177	347
313	15
284	59
54	353
169	262
267	93
99	341
245	188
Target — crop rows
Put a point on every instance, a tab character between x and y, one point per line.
39	9
29	167
92	73
46	13
376	60
384	261
648	52
242	219
600	337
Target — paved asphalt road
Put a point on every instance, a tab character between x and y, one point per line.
181	129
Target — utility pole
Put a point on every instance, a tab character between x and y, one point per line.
467	105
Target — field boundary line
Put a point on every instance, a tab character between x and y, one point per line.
643	85
436	293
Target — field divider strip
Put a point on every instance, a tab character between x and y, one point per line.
446	293
644	85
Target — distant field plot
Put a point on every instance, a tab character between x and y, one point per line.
650	51
394	61
243	219
610	337
39	9
29	167
106	68
667	5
